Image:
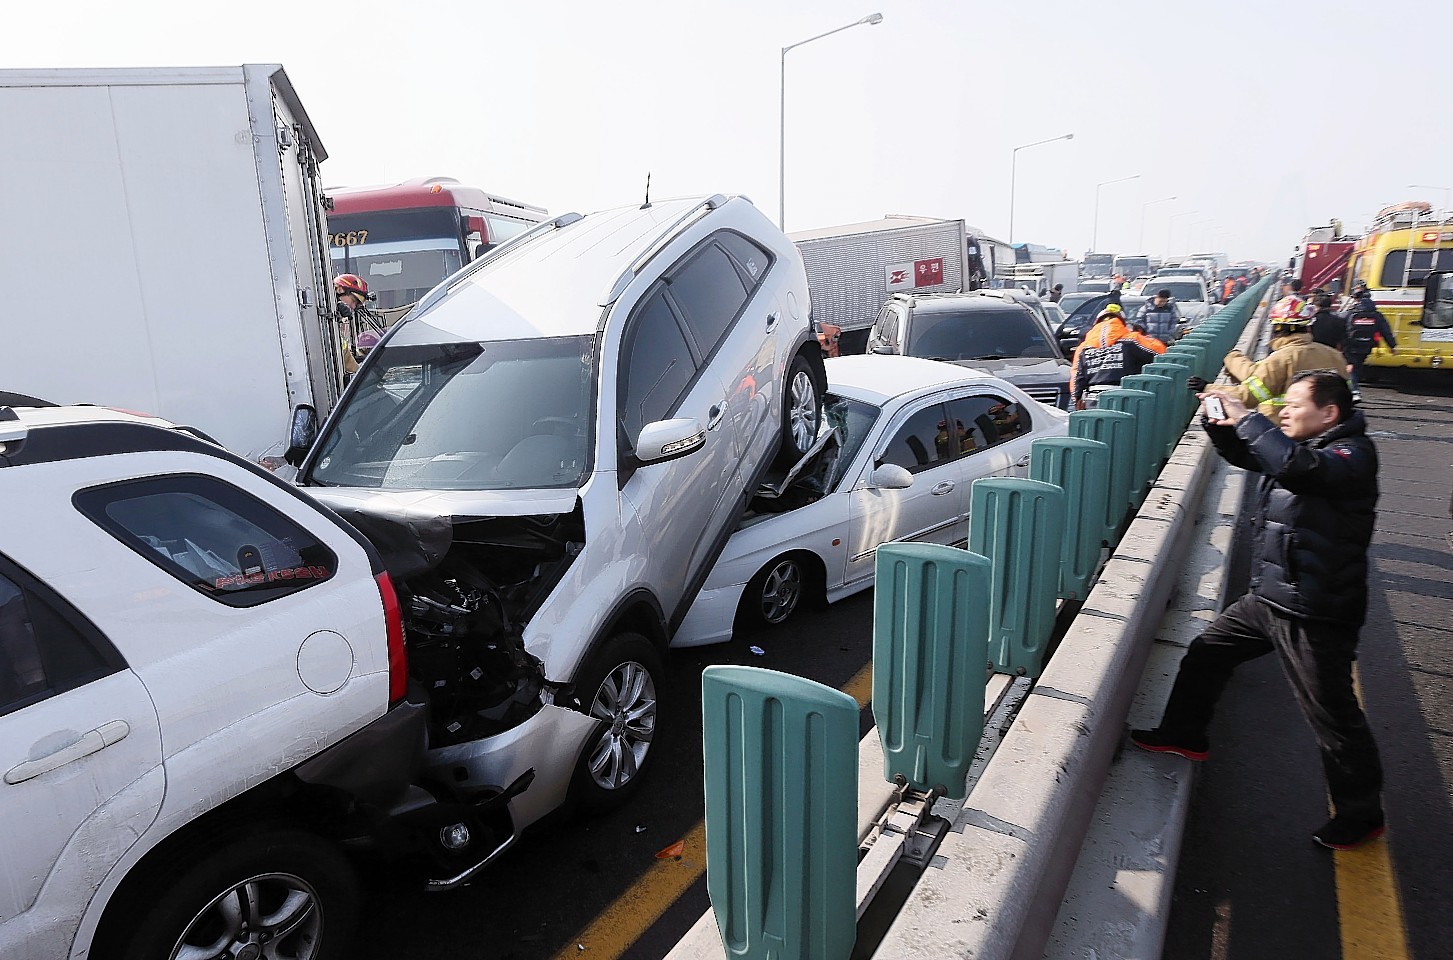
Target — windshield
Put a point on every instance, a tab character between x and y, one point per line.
1180	290
1132	266
401	254
465	416
852	419
994	334
1095	266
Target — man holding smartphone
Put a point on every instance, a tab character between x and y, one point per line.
1314	519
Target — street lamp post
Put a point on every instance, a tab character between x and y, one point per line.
1140	247
1095	231
1013	163
1424	186
1170	226
871	19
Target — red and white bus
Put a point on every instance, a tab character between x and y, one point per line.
404	239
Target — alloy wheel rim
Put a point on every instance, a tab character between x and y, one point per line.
268	916
781	591
804	410
627	700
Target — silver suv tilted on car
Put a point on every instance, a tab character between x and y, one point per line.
550	453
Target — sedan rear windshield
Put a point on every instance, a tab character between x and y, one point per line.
466	416
1180	291
978	335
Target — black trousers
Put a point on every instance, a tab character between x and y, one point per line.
1317	658
1356	360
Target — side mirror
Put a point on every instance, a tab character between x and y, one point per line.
301	434
890	476
669	439
885	349
1067	345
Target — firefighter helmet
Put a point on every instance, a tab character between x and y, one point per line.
350	283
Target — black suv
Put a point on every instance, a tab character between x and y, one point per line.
987	330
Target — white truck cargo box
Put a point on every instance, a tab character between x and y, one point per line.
164	248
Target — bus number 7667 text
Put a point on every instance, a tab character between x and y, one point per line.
350	239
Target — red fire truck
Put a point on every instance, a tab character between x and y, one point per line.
1322	258
403	239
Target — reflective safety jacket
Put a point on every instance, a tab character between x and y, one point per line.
1265	382
1110	350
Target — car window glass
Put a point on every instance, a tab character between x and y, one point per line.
212	536
923	441
41	653
982	334
991	418
753	260
658	366
710	293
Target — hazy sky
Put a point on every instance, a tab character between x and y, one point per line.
1262	117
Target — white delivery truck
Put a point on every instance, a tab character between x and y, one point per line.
164	249
1041	278
853	269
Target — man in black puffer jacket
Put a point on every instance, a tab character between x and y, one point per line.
1316	505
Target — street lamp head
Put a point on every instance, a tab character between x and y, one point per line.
872	18
1069	136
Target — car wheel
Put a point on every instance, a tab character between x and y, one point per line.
280	893
617	687
776	592
801	412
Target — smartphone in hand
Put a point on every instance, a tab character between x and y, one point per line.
1215	409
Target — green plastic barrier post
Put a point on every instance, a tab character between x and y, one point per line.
930	645
1082	469
781	760
1017	524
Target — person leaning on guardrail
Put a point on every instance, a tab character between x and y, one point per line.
1110	351
1314	518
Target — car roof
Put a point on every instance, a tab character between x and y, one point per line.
979	300
878	379
552	285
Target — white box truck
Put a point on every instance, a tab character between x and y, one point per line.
854	268
1041	278
164	250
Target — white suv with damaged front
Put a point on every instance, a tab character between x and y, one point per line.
549	453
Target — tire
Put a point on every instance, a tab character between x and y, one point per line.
619	687
801	412
286	892
777	591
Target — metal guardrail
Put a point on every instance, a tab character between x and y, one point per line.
774	756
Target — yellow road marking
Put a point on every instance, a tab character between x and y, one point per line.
630	915
1369	911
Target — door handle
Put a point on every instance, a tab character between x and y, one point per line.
942	487
1022	461
772	319
714	415
93	742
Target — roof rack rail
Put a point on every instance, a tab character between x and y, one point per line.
697	210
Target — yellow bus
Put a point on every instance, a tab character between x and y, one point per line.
1407	242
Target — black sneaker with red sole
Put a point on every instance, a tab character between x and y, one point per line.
1348	833
1157	741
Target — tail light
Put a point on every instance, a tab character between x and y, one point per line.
398	660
